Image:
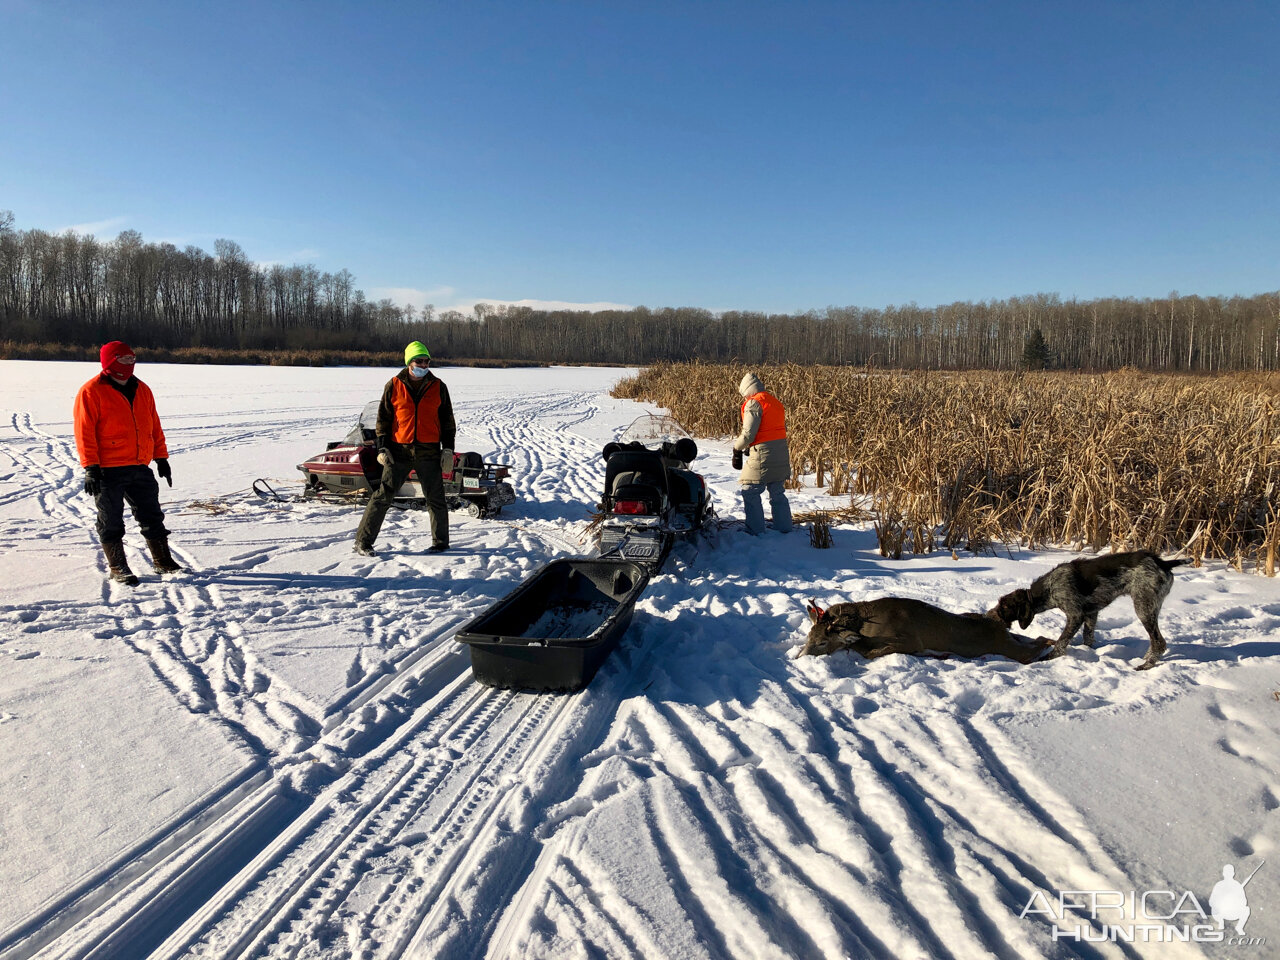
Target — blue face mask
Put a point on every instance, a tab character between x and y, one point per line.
417	372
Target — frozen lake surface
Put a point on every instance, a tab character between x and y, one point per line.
283	753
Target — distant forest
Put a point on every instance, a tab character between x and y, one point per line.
72	289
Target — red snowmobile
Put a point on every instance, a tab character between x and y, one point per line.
349	467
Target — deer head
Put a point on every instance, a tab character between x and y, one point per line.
827	633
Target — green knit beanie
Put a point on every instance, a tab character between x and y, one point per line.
415	349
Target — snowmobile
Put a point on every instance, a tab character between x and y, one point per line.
651	497
349	467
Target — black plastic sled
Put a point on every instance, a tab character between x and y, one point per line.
555	630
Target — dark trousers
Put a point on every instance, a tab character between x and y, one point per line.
426	462
136	485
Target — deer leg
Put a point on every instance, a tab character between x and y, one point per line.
1002	644
1021	649
892	646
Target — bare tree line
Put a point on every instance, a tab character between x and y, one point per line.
68	288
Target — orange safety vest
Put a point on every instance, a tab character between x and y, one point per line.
417	419
111	432
773	419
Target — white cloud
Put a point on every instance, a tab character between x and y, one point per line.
410	296
97	227
468	306
445	298
298	257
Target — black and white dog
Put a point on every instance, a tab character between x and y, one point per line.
1081	588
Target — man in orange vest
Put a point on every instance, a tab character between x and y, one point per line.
118	434
767	461
415	431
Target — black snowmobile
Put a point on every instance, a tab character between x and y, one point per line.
651	497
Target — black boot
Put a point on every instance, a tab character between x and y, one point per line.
117	564
162	558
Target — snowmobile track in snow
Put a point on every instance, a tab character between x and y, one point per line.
410	815
423	788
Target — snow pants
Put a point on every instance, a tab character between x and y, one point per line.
754	508
137	486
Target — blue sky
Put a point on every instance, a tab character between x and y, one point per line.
760	156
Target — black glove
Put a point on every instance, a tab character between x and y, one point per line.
93	480
162	468
737	459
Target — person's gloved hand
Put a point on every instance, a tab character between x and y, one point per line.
162	468
446	460
385	458
93	480
737	459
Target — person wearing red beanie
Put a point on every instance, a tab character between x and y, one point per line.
118	434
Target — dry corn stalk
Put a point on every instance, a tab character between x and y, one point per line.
820	532
1117	460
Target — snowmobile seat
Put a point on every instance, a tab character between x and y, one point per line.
631	478
633	467
635	485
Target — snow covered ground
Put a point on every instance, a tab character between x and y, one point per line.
283	753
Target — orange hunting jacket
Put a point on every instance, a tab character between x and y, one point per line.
773	419
111	431
416	412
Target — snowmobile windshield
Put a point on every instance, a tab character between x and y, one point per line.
654	429
366	426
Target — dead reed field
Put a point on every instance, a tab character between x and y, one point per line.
972	459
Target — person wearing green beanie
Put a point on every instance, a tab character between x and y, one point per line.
415	431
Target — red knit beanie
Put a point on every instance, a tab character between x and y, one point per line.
117	359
